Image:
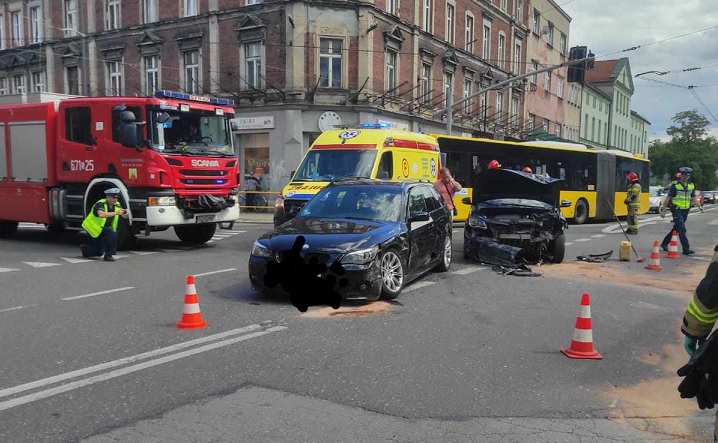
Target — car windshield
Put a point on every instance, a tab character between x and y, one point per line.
371	202
196	132
332	164
655	191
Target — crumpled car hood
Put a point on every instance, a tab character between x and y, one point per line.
498	184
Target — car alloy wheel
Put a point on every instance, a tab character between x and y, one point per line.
392	274
445	262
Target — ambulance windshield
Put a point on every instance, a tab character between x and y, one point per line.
196	132
332	164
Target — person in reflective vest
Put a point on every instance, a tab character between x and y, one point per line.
679	199
101	224
632	202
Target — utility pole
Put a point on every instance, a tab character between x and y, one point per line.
449	99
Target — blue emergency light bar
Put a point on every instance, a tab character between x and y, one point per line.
195	98
375	125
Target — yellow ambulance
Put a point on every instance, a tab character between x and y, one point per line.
369	151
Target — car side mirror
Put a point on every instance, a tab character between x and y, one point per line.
291	174
466	200
419	216
566	203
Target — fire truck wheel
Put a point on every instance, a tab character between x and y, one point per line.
7	228
195	234
125	237
55	228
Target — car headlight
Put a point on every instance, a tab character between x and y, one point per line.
161	201
361	257
477	223
259	250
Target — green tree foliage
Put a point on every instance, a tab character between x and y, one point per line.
689	146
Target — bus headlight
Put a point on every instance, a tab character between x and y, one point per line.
161	201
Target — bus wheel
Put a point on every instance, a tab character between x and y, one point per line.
580	212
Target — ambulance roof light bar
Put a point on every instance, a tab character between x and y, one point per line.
375	125
196	98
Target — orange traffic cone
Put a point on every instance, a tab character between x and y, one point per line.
191	316
673	247
654	261
582	343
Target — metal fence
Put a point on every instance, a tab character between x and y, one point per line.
257	201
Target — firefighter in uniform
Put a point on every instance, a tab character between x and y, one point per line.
633	202
101	224
679	199
698	321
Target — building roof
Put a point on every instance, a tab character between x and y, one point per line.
603	71
637	115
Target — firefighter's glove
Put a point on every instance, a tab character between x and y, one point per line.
690	344
662	212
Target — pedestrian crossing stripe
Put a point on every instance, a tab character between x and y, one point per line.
37	264
76	260
8	269
142	252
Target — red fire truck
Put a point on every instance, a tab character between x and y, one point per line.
171	156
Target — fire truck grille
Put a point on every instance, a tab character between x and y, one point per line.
203	172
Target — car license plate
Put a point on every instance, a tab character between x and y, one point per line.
205	218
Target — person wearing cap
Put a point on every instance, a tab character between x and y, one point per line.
679	199
101	224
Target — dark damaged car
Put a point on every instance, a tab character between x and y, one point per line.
384	233
515	219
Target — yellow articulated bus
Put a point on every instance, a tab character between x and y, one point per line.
594	180
369	151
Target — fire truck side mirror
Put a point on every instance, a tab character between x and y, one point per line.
130	135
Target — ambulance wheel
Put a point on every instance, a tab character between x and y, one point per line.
125	237
7	228
196	234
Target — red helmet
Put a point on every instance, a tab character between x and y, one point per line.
632	177
494	164
527	169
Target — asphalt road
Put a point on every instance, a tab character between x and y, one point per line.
91	352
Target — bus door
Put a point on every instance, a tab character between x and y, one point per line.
605	184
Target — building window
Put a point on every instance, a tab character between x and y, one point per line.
520	11
253	64
190	61
425	83
532	121
469	34
38	81
18	84
112	14
72	74
35	24
549	36
448	87
391	6
70	17
557	131
3	86
190	8
428	15
16	23
2	32
534	68
562	44
114	78
515	112
253	2
392	62
536	24
330	62
545	125
467	93
152	74
559	86
151	10
483	111
499	106
517	59
501	59
547	81
450	9
504	5
487	42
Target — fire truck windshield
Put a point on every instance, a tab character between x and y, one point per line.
196	132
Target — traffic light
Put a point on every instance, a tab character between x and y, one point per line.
576	71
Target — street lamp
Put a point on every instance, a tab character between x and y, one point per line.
82	58
651	72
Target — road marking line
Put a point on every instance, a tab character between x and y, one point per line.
112	364
172	250
143	252
76	260
128	370
220	237
583	239
37	264
421	284
8	269
568	243
465	271
239	232
109	291
713	222
598	236
15	308
215	272
120	256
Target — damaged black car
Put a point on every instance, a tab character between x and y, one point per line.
515	219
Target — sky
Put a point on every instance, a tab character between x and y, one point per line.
609	26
